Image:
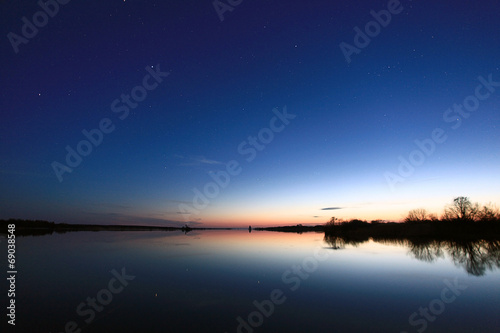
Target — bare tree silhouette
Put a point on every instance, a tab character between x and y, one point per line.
417	215
462	209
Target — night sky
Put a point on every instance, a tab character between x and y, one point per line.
259	112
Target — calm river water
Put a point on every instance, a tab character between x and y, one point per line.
236	281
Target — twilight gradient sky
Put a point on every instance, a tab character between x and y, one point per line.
354	121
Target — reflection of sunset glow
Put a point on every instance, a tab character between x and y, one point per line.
217	274
229	241
235	214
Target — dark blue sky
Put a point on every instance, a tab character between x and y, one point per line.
348	142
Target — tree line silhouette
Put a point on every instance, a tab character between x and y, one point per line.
461	218
461	210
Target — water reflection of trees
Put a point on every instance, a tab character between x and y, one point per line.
476	257
426	251
336	242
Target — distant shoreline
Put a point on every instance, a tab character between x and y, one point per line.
46	225
424	229
40	227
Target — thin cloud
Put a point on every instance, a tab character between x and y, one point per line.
207	161
331	208
179	201
199	160
125	219
111	205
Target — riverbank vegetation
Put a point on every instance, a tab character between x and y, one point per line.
461	219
